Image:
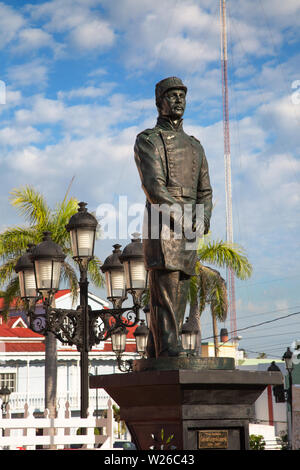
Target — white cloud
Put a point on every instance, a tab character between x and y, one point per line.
99	72
284	115
272	13
180	34
10	24
93	34
60	15
29	162
185	51
27	74
83	24
14	136
30	39
12	98
87	92
84	119
43	111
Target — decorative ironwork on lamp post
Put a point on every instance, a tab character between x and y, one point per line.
289	365
39	275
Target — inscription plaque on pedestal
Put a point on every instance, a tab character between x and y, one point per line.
212	439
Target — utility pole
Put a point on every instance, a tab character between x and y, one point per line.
227	163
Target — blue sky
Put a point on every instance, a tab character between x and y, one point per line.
80	78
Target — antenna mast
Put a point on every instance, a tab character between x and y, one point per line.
227	162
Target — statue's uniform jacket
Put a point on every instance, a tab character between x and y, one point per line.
173	170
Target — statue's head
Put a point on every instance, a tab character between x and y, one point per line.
170	97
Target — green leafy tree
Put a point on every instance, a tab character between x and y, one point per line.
257	442
39	217
208	287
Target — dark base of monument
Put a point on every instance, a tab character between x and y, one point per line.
183	362
204	409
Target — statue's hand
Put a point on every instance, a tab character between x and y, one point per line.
206	226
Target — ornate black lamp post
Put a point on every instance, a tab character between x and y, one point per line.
82	228
39	274
288	359
289	365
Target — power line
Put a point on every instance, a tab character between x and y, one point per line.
258	314
270	311
267	336
246	284
258	324
260	352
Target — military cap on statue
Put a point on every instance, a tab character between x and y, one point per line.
168	84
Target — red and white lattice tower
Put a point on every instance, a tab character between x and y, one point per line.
227	162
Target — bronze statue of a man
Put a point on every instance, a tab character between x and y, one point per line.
174	173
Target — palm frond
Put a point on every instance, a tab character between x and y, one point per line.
212	291
11	293
224	254
69	276
14	241
95	273
30	204
219	301
193	290
61	216
7	271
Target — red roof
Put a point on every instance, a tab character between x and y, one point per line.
7	330
15	301
62	292
24	347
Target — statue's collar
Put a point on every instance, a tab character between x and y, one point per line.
168	125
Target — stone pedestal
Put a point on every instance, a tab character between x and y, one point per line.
204	409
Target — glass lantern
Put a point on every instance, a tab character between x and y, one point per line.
25	270
47	258
114	276
141	337
189	337
133	261
118	341
82	228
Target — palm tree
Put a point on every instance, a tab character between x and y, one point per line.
13	243
208	286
